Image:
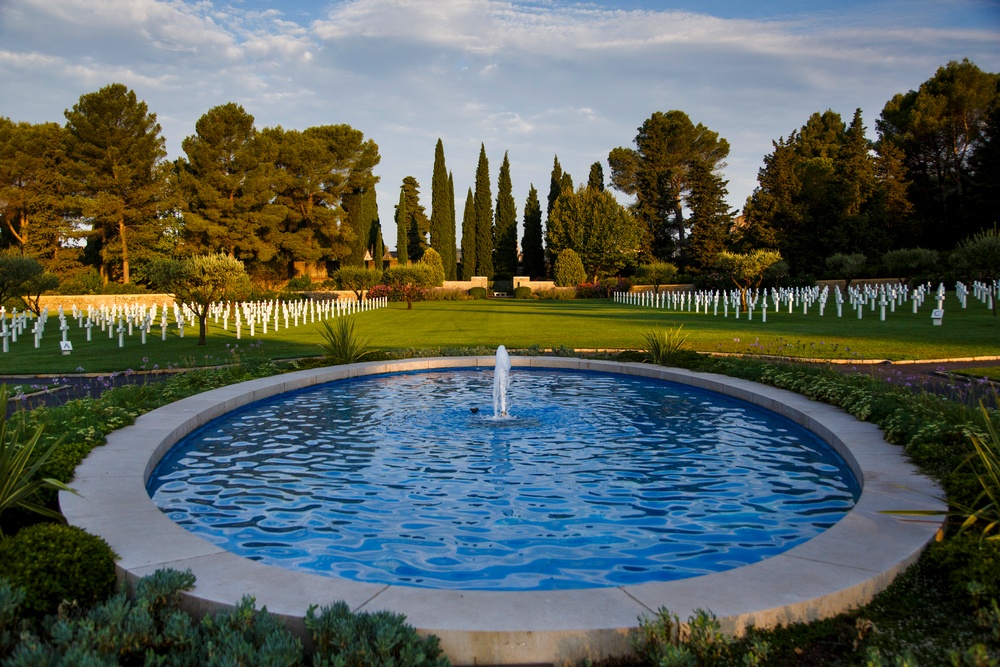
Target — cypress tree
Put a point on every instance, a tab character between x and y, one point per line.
484	216
596	180
419	224
505	230
533	254
451	261
555	185
711	217
469	238
373	236
354	208
402	229
442	213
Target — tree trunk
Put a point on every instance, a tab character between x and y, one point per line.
121	235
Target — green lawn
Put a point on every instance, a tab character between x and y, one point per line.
520	324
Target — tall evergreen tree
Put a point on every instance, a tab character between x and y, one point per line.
555	185
442	213
533	254
596	179
419	224
118	173
484	216
402	229
451	266
373	235
940	127
227	187
469	232
711	218
657	171
505	229
33	194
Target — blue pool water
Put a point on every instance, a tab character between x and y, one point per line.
594	480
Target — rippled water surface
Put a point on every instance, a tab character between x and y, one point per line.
594	480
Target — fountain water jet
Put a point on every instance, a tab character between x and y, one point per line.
501	383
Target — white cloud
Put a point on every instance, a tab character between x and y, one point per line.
536	78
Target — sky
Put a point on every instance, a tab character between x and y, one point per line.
534	79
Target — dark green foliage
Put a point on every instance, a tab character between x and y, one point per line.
469	265
532	252
568	269
346	639
478	292
483	202
596	179
442	226
658	171
402	229
417	223
52	563
523	292
711	218
116	157
966	559
505	227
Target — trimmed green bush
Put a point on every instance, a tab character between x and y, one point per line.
568	269
478	292
378	639
52	563
523	292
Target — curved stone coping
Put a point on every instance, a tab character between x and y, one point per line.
837	570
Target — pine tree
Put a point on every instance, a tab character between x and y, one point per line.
402	229
469	232
505	230
484	216
116	153
533	254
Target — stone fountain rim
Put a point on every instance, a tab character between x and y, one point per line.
840	569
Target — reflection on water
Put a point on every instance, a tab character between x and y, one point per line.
592	480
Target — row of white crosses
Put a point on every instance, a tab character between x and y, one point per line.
883	297
127	319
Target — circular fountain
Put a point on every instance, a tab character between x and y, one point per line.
823	575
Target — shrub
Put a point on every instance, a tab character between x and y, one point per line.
523	292
662	346
478	292
966	559
556	293
590	291
448	294
432	260
568	269
342	637
52	563
398	292
299	283
340	344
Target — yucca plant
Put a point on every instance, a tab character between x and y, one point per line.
19	466
987	455
341	345
662	345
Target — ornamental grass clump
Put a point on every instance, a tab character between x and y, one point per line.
662	346
341	345
20	485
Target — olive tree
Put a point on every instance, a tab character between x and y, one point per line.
907	263
747	269
23	278
200	281
358	279
656	274
846	266
978	256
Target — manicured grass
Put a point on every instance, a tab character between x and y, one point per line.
991	373
521	324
